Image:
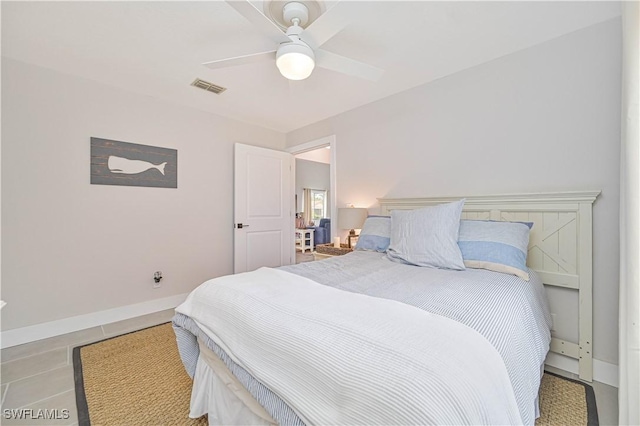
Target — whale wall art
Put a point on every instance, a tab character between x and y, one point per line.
130	164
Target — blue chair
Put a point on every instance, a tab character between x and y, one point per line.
322	233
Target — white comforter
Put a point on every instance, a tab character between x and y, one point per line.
332	355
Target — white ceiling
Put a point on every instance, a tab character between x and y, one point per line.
157	48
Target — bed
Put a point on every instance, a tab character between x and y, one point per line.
349	345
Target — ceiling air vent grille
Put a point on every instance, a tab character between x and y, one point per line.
209	87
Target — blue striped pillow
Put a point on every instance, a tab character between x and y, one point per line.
375	234
496	246
427	236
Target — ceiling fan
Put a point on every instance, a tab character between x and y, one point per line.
297	50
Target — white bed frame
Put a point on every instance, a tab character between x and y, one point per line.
560	247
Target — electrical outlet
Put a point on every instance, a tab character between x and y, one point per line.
157	278
553	322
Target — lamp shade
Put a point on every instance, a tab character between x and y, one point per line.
352	218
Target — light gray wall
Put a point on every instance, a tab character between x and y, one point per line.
70	248
311	174
543	119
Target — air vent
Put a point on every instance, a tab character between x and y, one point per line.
209	87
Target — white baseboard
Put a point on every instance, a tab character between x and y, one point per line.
603	372
19	336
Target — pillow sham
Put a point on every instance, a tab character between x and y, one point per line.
495	246
375	234
427	236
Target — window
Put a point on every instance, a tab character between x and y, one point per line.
318	204
315	205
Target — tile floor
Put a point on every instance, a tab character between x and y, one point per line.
39	375
304	257
607	402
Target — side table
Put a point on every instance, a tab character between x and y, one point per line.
304	239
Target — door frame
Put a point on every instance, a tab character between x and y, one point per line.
311	146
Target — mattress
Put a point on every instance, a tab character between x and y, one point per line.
510	313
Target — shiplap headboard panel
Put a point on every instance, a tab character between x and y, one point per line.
560	247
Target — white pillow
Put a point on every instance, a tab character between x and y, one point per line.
427	236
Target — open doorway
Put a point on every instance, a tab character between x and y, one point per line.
314	186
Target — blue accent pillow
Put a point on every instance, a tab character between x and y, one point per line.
375	234
495	246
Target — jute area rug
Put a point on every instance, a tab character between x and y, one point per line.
134	379
138	379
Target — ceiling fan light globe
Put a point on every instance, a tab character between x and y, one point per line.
295	61
295	66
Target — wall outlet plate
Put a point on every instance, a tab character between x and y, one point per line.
157	279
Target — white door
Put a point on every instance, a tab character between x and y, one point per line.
263	201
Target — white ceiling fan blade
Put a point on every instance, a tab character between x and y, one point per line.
241	60
325	27
259	21
348	66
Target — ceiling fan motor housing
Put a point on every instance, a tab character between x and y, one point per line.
295	11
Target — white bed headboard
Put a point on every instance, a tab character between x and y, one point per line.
560	247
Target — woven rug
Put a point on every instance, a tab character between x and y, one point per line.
138	379
134	379
566	402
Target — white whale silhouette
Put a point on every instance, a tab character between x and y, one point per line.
132	167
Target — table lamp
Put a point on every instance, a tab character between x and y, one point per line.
352	218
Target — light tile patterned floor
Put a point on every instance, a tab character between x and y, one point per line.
39	375
304	257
